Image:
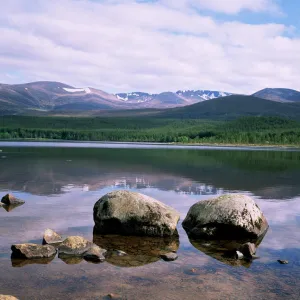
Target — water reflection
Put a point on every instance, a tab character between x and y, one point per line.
11	207
223	251
70	260
18	263
138	251
45	171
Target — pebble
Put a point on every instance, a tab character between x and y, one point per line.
283	262
239	255
169	256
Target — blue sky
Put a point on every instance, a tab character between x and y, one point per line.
237	46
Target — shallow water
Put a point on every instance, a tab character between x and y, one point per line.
61	185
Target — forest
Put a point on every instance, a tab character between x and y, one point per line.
244	130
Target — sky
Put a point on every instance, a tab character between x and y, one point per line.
238	46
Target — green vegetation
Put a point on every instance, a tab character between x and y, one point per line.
245	130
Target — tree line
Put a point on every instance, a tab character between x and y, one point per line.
245	130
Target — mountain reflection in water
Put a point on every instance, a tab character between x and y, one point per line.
42	171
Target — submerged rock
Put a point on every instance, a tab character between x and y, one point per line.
10	199
7	297
74	245
95	253
32	251
230	216
113	296
51	237
129	213
169	256
134	251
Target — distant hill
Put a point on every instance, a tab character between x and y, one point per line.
45	95
280	95
55	96
234	106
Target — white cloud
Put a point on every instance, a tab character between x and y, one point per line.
125	46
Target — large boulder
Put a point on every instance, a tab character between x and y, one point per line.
231	216
74	245
130	213
32	251
10	199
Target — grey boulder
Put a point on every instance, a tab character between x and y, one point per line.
130	213
231	216
32	251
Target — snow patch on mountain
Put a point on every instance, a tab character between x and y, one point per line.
122	98
74	90
202	94
135	96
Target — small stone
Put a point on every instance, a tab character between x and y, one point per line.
169	256
32	251
120	252
51	237
10	199
283	262
95	253
239	255
74	245
7	297
113	296
248	250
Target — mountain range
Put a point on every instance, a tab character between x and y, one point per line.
56	97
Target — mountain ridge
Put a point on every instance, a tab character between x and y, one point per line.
57	97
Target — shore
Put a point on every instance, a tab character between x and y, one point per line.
111	144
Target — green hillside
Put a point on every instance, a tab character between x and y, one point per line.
233	107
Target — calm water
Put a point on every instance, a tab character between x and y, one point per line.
61	185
